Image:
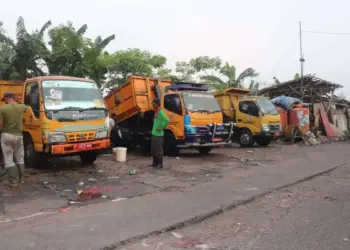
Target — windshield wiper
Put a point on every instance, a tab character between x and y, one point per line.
66	120
94	108
68	108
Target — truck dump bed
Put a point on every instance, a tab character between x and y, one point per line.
15	87
135	96
227	97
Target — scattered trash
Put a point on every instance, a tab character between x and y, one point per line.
73	202
118	199
100	171
45	183
132	172
177	158
89	194
345	239
329	198
113	177
91	179
239	224
249	151
104	196
65	209
81	183
176	235
79	191
207	174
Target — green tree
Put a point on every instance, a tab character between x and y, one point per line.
70	53
222	76
123	63
22	56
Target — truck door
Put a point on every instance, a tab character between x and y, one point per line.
31	118
248	116
173	109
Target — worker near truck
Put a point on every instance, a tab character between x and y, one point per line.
11	115
157	143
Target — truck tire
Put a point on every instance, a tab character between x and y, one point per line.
246	138
263	141
204	150
170	148
32	159
88	158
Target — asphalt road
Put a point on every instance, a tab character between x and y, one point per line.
313	215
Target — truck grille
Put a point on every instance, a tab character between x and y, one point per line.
73	137
275	127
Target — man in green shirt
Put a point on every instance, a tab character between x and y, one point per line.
160	123
11	115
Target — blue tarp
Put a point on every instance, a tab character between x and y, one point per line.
285	101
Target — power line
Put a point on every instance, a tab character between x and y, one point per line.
285	54
325	32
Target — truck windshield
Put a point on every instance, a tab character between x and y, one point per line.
266	106
200	102
72	100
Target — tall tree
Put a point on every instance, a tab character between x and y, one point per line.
222	76
123	63
25	51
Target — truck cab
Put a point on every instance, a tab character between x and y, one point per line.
195	117
255	116
65	116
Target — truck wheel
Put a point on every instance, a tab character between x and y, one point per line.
31	158
246	138
263	141
170	148
88	158
204	150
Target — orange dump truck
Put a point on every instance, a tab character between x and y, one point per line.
65	116
195	117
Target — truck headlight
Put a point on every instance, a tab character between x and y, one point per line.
54	137
100	134
265	127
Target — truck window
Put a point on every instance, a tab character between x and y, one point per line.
31	98
249	107
172	103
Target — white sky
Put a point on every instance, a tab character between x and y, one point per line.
250	33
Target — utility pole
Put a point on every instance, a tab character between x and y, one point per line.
302	60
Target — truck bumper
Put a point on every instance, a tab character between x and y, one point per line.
74	148
208	144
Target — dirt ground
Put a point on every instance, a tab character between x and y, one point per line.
65	182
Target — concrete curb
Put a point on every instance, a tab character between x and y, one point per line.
218	211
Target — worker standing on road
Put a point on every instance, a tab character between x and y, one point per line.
160	123
11	115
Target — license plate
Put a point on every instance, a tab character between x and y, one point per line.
83	146
216	139
277	134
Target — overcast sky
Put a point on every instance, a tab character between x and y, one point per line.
249	33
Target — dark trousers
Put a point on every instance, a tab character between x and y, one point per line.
157	144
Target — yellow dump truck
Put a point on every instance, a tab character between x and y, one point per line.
255	116
65	116
195	117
